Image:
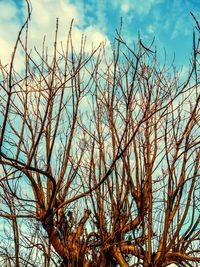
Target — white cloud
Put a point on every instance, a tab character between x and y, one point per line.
125	7
95	36
151	28
43	23
9	26
8	10
134	5
184	71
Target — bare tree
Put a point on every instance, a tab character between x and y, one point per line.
100	157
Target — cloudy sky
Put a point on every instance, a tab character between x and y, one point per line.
169	21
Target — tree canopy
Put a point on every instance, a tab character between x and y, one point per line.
99	156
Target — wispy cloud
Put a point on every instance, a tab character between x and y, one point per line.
181	27
140	8
9	25
8	10
151	28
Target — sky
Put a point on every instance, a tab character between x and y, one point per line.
169	21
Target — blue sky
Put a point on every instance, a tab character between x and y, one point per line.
169	21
